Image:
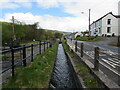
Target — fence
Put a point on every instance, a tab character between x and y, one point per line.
21	55
99	57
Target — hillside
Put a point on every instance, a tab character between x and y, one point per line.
25	33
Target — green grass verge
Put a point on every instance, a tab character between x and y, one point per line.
89	80
94	39
83	71
37	74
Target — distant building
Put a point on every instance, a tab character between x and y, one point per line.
106	25
72	35
78	34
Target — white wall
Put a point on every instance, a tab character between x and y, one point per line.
102	24
114	25
95	27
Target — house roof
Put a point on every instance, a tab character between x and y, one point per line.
117	16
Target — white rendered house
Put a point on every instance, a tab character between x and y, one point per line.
106	25
78	33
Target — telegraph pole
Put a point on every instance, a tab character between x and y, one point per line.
89	21
13	29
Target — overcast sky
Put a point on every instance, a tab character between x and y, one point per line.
63	15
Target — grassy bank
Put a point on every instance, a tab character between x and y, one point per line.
37	74
92	39
83	71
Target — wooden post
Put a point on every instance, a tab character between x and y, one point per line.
81	49
40	47
12	62
44	45
118	43
76	46
24	55
96	59
32	53
47	45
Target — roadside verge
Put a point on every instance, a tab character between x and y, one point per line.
98	75
83	73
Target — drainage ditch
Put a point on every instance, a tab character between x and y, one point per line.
62	74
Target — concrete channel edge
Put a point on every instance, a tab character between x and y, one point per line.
99	75
78	79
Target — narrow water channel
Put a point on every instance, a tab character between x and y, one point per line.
62	75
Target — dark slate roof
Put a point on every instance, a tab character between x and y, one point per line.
117	16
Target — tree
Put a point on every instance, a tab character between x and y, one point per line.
58	35
35	25
85	32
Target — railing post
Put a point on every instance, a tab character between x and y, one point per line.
24	55
81	49
44	45
118	42
47	45
96	59
32	53
76	46
50	45
12	62
40	47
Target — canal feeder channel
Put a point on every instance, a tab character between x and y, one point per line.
63	75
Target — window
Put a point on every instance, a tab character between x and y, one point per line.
108	29
99	30
96	30
109	21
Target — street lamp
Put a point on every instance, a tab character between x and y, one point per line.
89	20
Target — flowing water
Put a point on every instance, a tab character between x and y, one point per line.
62	75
